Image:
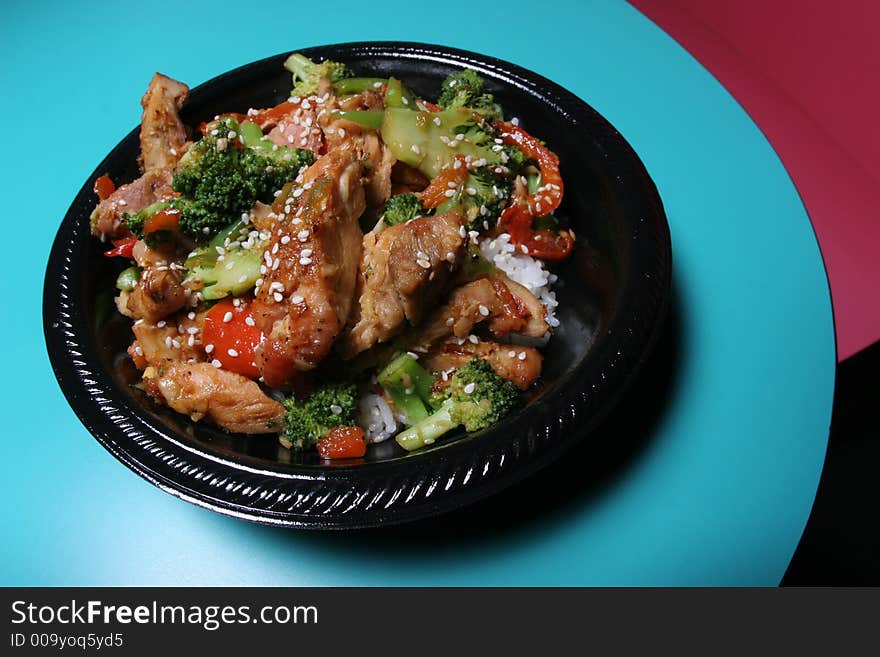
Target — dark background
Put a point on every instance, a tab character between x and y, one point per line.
841	544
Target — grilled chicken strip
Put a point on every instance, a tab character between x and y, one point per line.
107	217
311	265
505	306
403	271
178	338
201	390
158	292
162	133
519	365
379	158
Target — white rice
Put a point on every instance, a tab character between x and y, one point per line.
376	418
525	270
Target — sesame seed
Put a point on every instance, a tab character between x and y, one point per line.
336	409
209	348
232	352
450	184
305	261
306	253
278	297
511	353
249	321
412	355
450	321
216	363
484	311
437	120
192	330
469	388
160	323
341	132
473	338
449	193
424	264
303	235
471	191
415	149
228	316
191	315
285	239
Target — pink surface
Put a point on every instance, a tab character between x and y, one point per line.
806	72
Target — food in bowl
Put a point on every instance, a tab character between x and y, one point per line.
353	264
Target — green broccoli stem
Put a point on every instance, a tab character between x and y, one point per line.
405	372
409	386
357	85
408	404
251	135
128	279
298	64
397	95
428	430
367	118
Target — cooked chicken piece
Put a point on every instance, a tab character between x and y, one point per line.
201	390
405	178
519	365
149	188
307	290
338	130
162	131
299	129
403	271
262	217
506	306
158	292
177	338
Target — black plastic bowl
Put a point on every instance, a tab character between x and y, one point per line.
613	294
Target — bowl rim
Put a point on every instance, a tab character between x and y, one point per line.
398	490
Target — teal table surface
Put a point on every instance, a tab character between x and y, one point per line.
718	495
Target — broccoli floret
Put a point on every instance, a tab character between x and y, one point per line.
306	422
218	181
480	397
481	198
409	386
402	208
475	398
467	89
308	74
